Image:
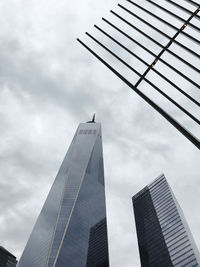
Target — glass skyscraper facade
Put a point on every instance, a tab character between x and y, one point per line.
97	251
164	237
74	214
6	258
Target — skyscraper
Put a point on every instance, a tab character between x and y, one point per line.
74	208
164	237
6	258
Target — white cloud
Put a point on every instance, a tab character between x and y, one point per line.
48	84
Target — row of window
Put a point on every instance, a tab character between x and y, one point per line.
88	131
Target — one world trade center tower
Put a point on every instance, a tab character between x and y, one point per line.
71	230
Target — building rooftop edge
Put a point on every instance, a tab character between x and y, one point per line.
150	185
2	248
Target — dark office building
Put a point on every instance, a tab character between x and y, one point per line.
6	258
98	245
164	238
74	211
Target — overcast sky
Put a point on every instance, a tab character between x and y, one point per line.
49	84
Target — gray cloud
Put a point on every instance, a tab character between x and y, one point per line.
48	84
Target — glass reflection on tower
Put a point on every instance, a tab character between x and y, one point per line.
75	204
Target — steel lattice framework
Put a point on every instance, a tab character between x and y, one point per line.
174	62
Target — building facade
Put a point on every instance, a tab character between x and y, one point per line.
164	238
98	245
74	207
6	258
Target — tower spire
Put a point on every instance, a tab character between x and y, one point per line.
93	119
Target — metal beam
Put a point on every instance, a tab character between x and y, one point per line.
170	119
154	41
173	14
151	53
142	77
149	65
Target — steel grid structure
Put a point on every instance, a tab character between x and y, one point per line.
172	32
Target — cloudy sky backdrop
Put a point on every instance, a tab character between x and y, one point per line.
49	84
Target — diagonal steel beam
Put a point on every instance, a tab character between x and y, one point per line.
173	14
154	41
170	119
164	21
182	7
151	53
149	65
142	77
